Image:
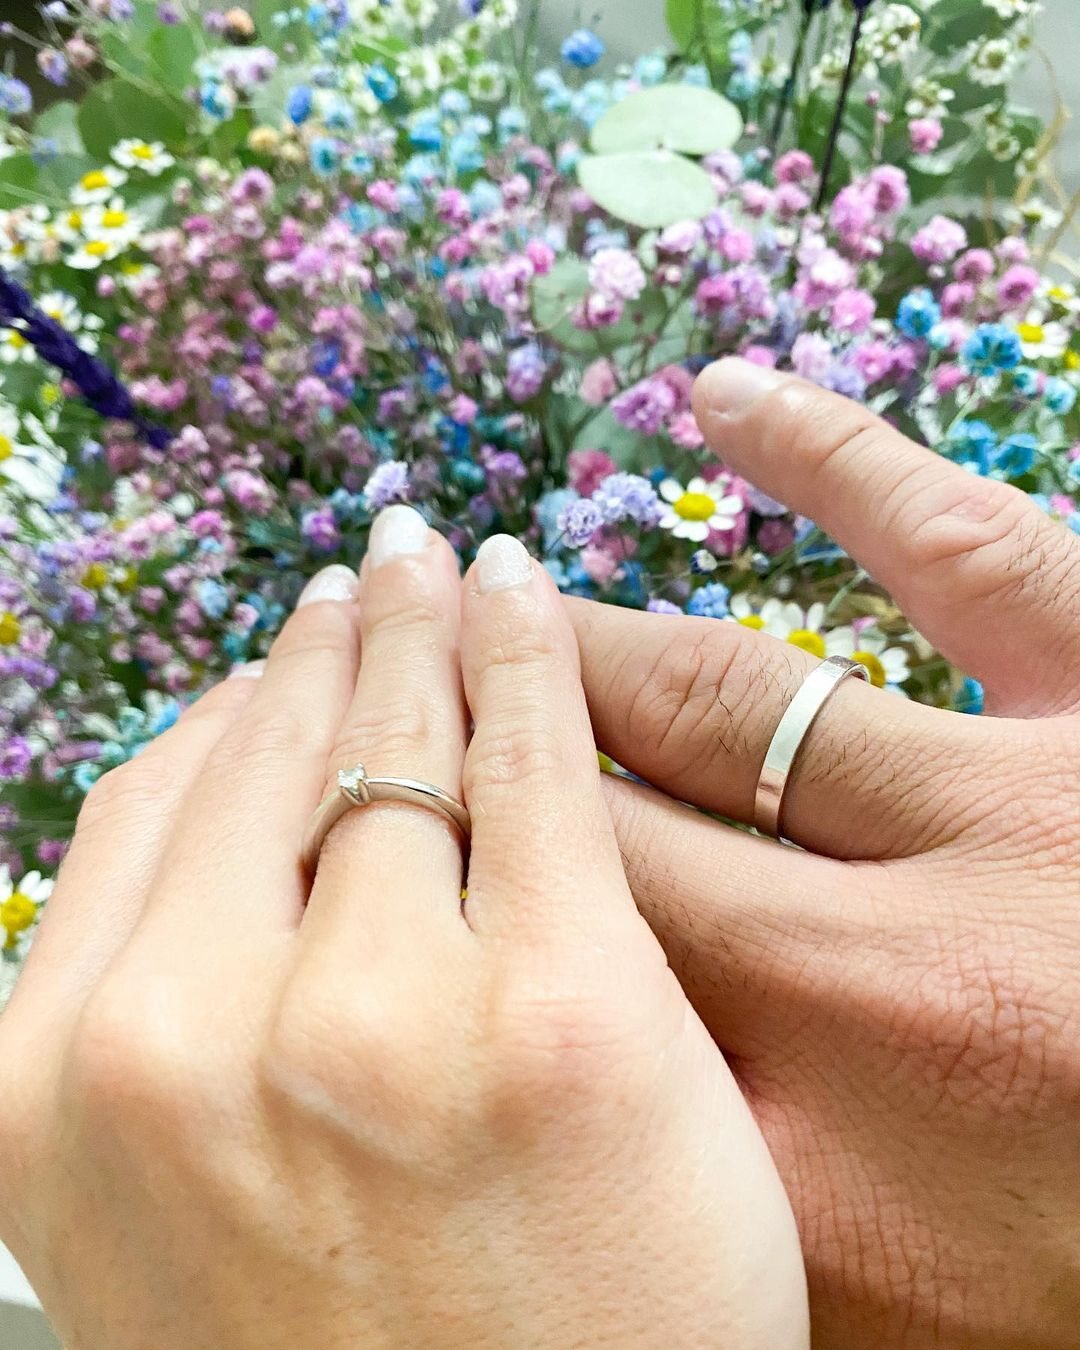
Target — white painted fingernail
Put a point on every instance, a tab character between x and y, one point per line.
397	532
336	582
501	562
251	671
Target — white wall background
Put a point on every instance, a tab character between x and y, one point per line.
630	26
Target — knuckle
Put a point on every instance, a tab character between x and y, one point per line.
324	631
412	618
506	755
131	1062
526	647
557	1049
131	787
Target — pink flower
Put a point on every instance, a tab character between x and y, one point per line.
976	265
685	432
463	410
598	383
384	194
616	274
812	356
947	379
791	201
957	298
598	563
737	246
794	167
587	470
889	189
1013	250
541	255
926	134
853	311
939	241
1017	286
874	361
715	293
680	238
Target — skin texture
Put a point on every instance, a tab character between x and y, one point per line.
900	1003
236	1114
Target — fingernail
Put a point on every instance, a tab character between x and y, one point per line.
251	671
397	532
501	562
732	385
336	582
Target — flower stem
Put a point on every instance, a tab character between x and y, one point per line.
841	109
787	94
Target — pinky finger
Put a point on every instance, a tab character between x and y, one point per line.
119	838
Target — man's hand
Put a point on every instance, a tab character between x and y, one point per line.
902	1001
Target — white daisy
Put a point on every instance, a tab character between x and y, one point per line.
887	666
151	157
788	621
19	904
111	220
92	253
98	185
63	309
28	457
693	511
1041	339
15	348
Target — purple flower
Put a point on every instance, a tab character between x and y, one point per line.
645	406
579	521
525	372
15	759
53	65
627	496
659	606
320	530
939	241
388	483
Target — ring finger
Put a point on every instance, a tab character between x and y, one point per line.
691	706
407	720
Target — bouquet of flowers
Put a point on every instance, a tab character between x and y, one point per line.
265	270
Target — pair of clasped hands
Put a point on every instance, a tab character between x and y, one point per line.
655	1082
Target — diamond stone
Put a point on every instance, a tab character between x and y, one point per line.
352	780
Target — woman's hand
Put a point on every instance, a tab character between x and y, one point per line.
386	1119
903	1000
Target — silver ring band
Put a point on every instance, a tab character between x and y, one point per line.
811	697
355	789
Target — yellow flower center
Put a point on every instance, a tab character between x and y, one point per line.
114	220
753	621
142	151
131	269
50	394
874	668
6	448
95	576
74	220
94	181
1031	332
128	580
17	913
10	629
1072	360
56	314
810	642
97	248
695	506
17	340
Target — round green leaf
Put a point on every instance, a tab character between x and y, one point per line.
679	117
59	123
650	189
18	182
115	109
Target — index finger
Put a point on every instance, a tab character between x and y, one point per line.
971	561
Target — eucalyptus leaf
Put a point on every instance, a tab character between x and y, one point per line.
679	117
18	182
173	52
60	124
557	294
116	109
651	189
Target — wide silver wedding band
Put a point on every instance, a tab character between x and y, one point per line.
355	789
813	694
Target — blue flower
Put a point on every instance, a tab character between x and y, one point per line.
650	69
1016	456
969	699
299	104
582	49
382	84
217	100
212	598
918	314
992	348
465	153
579	520
15	96
709	601
324	156
1026	381
426	134
454	103
972	442
1060	396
